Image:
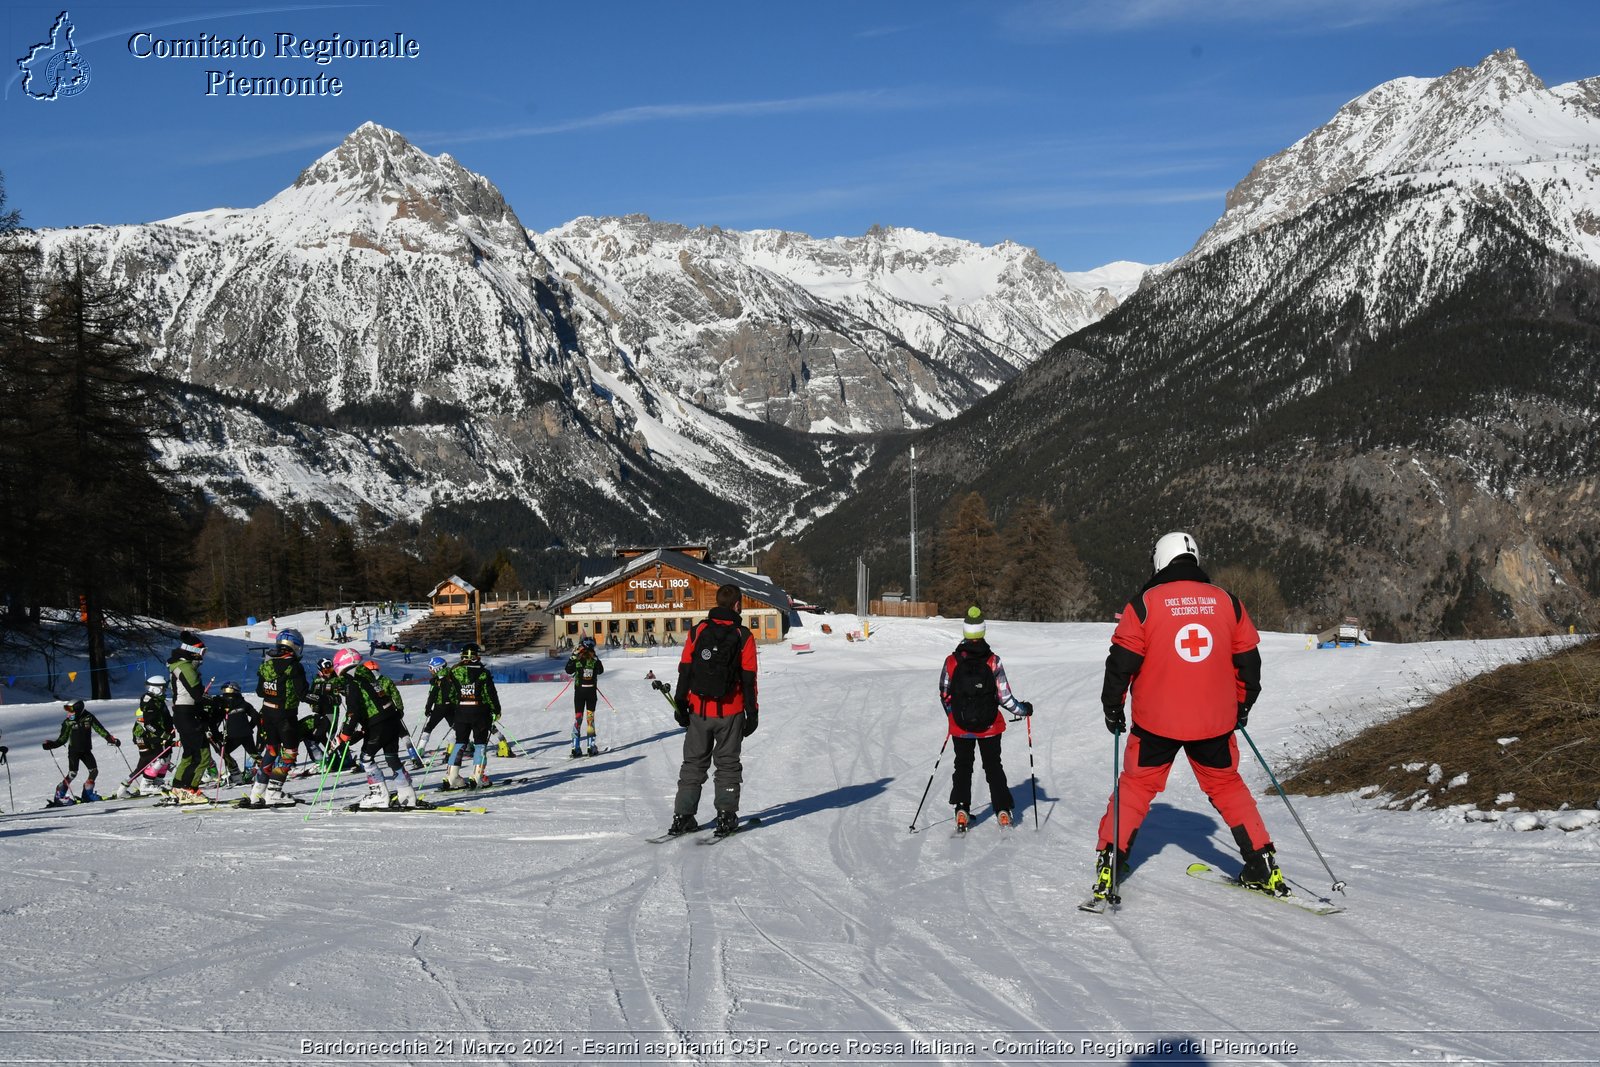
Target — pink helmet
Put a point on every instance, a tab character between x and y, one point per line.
344	659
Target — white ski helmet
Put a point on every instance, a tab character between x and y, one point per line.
156	684
1171	546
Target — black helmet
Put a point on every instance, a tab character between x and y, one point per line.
469	653
230	689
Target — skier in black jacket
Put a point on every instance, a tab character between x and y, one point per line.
75	734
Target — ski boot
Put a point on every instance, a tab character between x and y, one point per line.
962	820
377	798
1261	873
682	824
276	797
594	750
1004	819
257	797
452	779
576	752
125	791
1103	874
405	795
89	795
727	823
482	781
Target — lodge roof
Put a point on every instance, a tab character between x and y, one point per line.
455	580
751	586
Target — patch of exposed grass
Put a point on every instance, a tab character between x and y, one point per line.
1549	705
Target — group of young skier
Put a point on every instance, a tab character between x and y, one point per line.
354	717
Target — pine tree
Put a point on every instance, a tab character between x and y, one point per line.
20	361
1043	580
99	410
966	552
789	568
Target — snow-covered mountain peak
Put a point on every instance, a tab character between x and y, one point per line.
377	190
1488	124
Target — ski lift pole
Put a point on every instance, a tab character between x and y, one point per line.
1338	883
924	800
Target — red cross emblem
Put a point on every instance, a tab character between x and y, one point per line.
1193	643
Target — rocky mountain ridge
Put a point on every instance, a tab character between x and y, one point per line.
1375	382
385	334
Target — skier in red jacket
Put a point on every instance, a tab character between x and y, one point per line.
715	703
1186	649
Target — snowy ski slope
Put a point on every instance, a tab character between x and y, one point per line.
829	935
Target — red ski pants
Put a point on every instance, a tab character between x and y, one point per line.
1146	761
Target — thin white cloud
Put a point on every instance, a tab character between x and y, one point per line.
862	100
1088	15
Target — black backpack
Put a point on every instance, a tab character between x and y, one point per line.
714	668
974	699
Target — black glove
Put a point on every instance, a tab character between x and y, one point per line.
1244	717
116	742
681	713
1116	721
1024	709
48	745
750	721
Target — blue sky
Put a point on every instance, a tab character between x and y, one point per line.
1090	131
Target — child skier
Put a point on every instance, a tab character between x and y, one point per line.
477	704
326	690
281	684
586	669
75	734
152	735
440	708
974	690
241	722
392	691
372	718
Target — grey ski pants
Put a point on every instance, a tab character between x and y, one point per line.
708	740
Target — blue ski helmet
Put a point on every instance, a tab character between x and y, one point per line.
587	642
436	665
289	640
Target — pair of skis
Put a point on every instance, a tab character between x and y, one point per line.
744	824
1206	873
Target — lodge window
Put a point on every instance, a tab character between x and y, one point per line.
630	596
572	628
672	625
649	594
633	626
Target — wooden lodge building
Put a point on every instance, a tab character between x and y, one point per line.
654	596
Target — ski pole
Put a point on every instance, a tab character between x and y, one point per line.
125	762
1116	816
924	800
1031	778
1338	883
610	705
337	761
9	795
558	695
132	774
